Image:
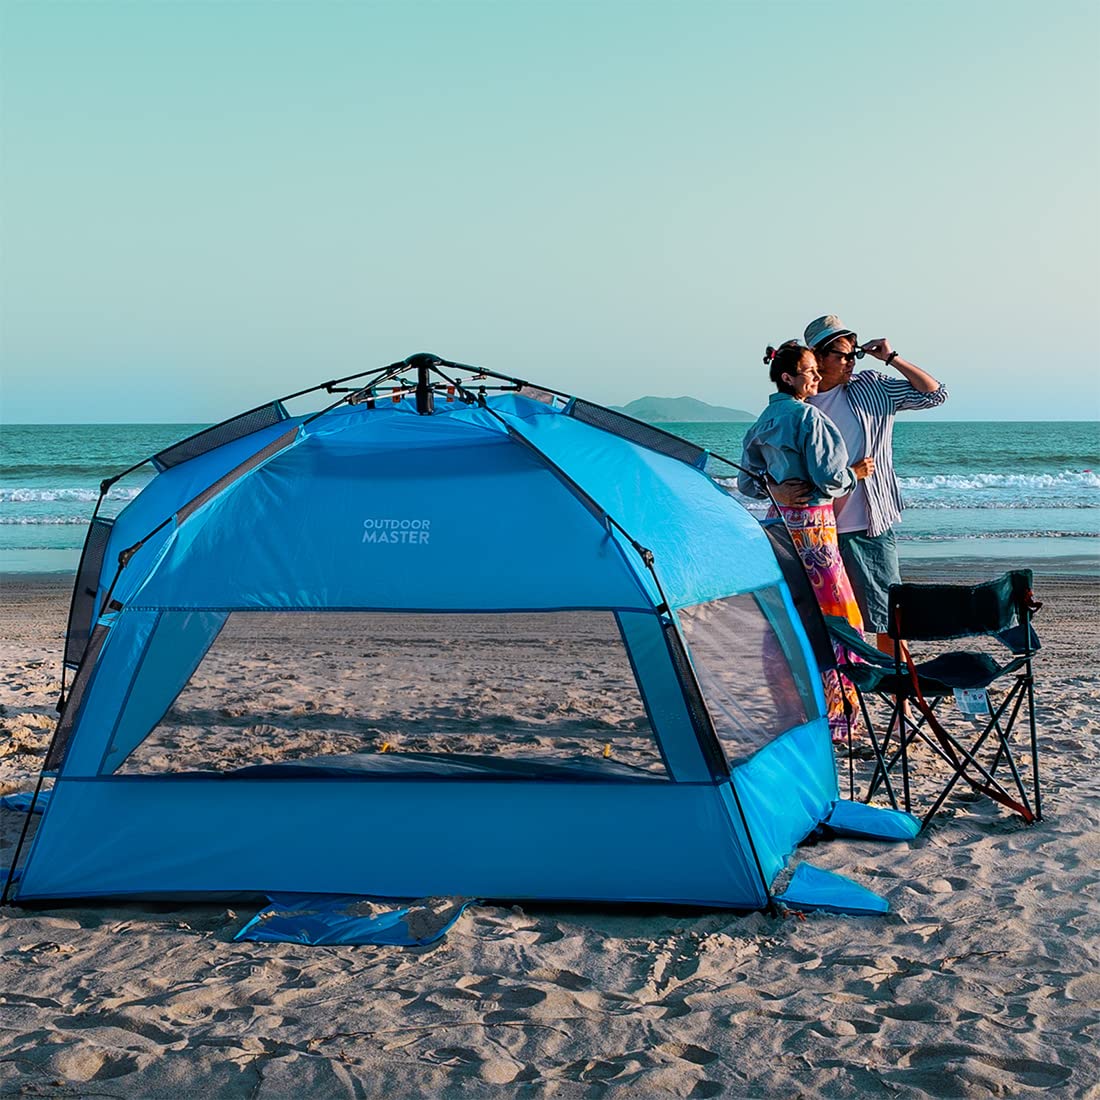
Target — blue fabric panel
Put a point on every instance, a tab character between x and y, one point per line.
705	544
169	490
479	528
333	521
663	695
857	819
737	824
177	645
21	801
786	789
107	690
812	888
663	842
324	920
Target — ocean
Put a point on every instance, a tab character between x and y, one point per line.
1003	493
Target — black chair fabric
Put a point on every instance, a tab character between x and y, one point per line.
934	612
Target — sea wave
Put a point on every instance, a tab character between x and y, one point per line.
931	502
1066	479
27	495
43	521
1068	490
1011	534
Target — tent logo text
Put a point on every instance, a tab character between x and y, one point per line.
415	532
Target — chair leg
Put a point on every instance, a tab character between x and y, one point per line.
1003	747
882	749
1034	744
851	761
908	730
880	763
970	758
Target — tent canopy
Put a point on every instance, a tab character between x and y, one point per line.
460	547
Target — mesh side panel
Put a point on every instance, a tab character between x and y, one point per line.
65	724
746	678
505	695
219	434
251	463
84	591
700	718
637	432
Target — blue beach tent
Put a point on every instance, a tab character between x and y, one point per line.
449	519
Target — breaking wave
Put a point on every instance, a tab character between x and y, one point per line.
1009	534
20	495
1067	479
43	521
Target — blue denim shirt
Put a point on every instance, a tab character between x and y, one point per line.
793	439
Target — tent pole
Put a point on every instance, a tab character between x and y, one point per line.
103	490
23	832
30	811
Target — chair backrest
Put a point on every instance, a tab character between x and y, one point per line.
936	611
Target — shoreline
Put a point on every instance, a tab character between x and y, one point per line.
1060	569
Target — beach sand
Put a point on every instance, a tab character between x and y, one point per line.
982	980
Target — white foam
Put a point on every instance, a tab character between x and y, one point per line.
43	521
20	495
1067	479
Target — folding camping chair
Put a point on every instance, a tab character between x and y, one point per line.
1000	609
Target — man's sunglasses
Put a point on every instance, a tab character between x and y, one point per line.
847	356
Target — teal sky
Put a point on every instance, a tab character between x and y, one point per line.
204	205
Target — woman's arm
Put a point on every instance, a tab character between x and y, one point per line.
826	457
753	462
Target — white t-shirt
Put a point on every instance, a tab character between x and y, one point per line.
851	511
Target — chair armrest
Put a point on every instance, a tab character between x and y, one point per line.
840	630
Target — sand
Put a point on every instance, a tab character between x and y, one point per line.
982	981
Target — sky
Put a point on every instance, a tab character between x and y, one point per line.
206	205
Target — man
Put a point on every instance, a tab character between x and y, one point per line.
863	408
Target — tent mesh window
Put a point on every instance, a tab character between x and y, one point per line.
219	434
67	722
751	669
507	694
85	589
642	434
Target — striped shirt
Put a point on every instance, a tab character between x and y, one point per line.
875	398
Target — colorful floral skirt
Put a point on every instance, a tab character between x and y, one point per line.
813	532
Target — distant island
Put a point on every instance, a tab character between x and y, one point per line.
671	410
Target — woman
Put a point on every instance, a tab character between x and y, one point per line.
792	439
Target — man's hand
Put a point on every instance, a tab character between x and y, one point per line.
919	379
864	468
878	349
792	493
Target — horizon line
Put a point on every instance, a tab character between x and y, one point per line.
211	423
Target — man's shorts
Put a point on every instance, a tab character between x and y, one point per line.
871	562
